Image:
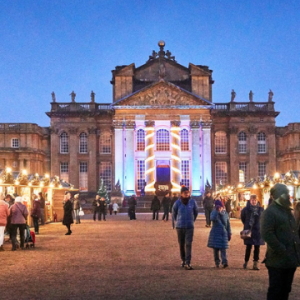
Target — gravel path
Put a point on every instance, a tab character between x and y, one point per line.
122	259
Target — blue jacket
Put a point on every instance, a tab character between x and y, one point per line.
220	231
184	215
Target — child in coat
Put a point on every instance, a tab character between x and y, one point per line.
115	207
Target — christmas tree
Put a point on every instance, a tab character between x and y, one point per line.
102	191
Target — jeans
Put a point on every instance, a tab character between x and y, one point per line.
76	215
2	228
95	214
217	256
248	252
207	215
14	228
36	224
42	215
100	214
185	239
131	213
166	215
280	283
155	214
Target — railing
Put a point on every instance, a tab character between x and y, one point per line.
242	106
76	107
19	127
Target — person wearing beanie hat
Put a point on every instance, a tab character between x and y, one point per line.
220	233
279	231
184	214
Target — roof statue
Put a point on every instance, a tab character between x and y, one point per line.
233	94
161	53
271	94
93	97
53	97
251	96
73	95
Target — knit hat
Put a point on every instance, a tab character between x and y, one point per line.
19	199
183	189
278	189
218	203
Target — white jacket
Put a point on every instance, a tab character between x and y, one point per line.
115	206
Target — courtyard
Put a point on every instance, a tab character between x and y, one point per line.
122	259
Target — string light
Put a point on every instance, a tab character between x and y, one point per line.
148	136
149	147
176	170
175	146
176	158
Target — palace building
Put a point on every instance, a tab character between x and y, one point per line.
161	130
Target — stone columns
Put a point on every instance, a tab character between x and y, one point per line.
74	163
93	172
129	159
119	154
197	168
149	161
176	161
206	134
253	165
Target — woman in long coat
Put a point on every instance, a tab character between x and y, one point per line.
250	217
68	216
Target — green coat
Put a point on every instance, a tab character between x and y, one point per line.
279	231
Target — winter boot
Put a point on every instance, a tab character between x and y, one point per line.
255	265
245	265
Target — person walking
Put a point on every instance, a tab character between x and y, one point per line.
68	216
166	201
110	208
279	231
131	207
220	234
36	213
228	206
96	204
42	201
4	214
208	204
115	207
155	207
102	208
250	216
184	215
19	214
76	208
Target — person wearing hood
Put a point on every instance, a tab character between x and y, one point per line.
220	234
4	213
155	207
250	217
36	213
19	214
68	216
279	231
184	215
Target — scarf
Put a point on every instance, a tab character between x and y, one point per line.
254	212
185	201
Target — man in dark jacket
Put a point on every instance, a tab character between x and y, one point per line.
102	209
173	200
208	204
279	231
228	206
166	201
96	204
131	207
185	212
42	200
155	207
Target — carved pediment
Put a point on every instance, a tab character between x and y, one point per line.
162	94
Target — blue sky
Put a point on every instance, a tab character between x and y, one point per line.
62	46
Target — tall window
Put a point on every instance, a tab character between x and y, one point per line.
162	140
261	169
64	143
220	142
261	142
242	142
83	143
242	171
184	140
140	174
105	174
15	143
105	144
221	173
64	171
83	176
185	173
140	140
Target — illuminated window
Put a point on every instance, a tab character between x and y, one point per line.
83	176
261	142
64	171
140	174
64	143
105	144
15	143
83	143
262	169
242	172
220	142
242	142
106	174
221	173
185	173
184	140
15	164
162	140
140	140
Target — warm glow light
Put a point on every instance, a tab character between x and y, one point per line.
1	180
175	190
175	146
176	157
271	184
149	146
176	185
175	128
24	172
60	186
175	135
36	174
240	185
30	184
149	158
148	136
149	128
17	182
149	170
41	184
277	175
149	189
255	186
8	170
176	170
261	185
46	175
51	185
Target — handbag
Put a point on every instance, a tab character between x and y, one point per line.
245	234
81	212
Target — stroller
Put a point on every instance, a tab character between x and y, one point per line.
29	238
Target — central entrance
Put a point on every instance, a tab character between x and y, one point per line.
163	177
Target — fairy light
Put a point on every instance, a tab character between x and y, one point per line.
148	136
177	136
176	157
175	128
51	185
149	158
176	170
8	170
46	175
175	146
24	172
17	182
149	147
149	170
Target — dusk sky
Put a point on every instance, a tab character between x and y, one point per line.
62	46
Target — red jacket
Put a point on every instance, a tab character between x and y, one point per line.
4	213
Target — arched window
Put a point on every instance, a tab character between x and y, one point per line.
105	143
221	173
140	140
242	142
64	143
184	140
83	143
220	142
261	143
162	140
